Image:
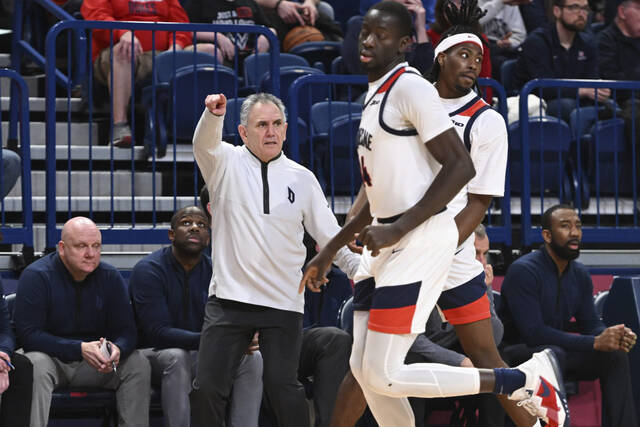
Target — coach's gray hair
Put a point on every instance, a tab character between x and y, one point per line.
481	231
259	98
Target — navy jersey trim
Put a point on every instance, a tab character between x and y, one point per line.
467	130
383	125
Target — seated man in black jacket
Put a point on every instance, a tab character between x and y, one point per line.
68	306
169	291
562	50
619	59
542	292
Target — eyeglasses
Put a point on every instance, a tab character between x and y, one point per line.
574	8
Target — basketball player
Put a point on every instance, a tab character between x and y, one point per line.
457	64
412	163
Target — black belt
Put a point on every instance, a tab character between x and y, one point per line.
394	218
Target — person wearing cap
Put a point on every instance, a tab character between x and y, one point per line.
413	163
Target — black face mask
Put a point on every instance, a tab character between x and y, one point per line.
565	252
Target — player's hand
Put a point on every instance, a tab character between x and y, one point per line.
315	273
216	104
354	245
288	11
376	237
628	340
92	355
610	339
253	345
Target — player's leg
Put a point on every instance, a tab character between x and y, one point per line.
467	308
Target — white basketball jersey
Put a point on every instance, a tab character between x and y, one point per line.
484	134
402	112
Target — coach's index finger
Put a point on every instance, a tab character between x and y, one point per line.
312	280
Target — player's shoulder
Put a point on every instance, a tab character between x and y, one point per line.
411	79
490	117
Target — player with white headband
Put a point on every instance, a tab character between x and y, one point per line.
457	63
413	163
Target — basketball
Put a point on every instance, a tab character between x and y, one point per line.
301	34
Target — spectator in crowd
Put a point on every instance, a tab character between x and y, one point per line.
619	59
169	292
235	12
414	6
419	56
542	292
504	29
11	170
69	305
562	51
117	75
481	243
16	375
535	14
263	202
285	15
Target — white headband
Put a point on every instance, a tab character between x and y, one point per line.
457	39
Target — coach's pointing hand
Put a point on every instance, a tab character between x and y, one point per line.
314	274
376	237
216	104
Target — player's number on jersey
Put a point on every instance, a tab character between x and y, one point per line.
366	178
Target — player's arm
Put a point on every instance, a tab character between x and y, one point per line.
489	151
471	215
457	169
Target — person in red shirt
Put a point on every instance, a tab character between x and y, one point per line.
126	45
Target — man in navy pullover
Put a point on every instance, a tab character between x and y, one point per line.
542	292
169	289
562	50
68	305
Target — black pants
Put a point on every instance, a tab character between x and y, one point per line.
325	357
15	410
228	328
611	368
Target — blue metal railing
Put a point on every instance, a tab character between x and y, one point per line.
499	229
20	235
585	170
134	232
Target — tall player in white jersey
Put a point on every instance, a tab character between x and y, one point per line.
413	163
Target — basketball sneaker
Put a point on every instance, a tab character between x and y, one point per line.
541	395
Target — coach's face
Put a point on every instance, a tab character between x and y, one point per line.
265	131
